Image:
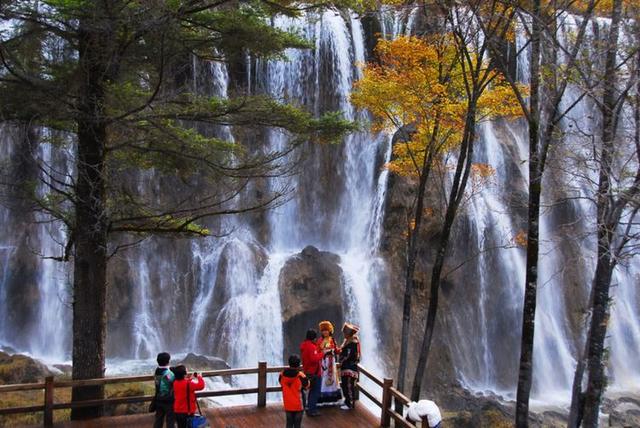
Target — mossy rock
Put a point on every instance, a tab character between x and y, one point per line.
19	368
128	390
462	419
494	418
487	417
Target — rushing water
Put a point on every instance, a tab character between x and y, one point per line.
222	293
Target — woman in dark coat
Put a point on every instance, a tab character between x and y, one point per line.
349	359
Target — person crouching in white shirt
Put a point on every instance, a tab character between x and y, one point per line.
424	410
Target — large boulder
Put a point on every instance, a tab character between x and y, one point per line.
199	363
311	291
194	362
19	368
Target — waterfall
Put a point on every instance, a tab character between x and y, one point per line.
5	258
354	224
486	353
51	339
220	295
27	248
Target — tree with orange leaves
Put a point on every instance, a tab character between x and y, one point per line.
436	88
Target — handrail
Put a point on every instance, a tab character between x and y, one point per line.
50	384
370	375
400	396
386	404
21	387
389	393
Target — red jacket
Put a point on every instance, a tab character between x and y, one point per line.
293	381
311	358
181	405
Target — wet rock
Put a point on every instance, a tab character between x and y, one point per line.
310	286
623	411
194	362
199	363
238	258
239	270
8	349
19	368
550	418
65	369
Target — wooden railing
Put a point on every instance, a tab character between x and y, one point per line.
389	393
50	384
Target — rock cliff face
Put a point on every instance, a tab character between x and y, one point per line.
311	291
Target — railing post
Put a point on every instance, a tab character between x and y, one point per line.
48	401
385	415
262	384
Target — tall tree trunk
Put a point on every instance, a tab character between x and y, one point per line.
597	334
607	224
455	196
90	260
525	372
412	253
576	409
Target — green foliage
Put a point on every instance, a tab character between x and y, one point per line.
236	31
154	120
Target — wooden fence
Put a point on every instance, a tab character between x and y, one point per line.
389	393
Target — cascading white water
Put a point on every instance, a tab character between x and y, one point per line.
6	250
5	258
47	280
146	336
245	325
479	363
51	338
356	223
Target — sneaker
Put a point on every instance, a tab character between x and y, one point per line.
313	414
345	407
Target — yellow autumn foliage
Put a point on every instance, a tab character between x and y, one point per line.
420	82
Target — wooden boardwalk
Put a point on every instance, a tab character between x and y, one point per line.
250	416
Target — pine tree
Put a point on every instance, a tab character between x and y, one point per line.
108	77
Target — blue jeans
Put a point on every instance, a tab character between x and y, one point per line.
315	382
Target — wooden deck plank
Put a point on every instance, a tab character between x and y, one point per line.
271	416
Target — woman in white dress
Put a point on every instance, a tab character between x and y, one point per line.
330	392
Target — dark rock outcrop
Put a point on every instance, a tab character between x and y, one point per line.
194	362
311	290
200	363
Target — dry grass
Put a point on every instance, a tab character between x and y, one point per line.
63	395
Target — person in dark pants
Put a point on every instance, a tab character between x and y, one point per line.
163	398
311	358
349	359
293	382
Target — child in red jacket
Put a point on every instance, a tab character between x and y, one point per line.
293	381
184	390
